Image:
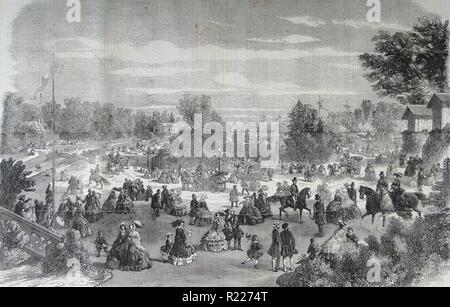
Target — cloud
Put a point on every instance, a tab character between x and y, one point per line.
220	24
331	52
345	66
293	39
306	20
241	83
168	91
374	25
154	71
164	52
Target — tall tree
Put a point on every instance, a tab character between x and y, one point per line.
189	106
308	141
409	66
13	181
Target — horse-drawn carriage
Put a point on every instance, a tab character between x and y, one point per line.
202	182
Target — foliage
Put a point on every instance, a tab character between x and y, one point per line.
386	116
409	65
308	140
189	106
12	239
57	256
408	254
437	145
11	103
413	142
13	181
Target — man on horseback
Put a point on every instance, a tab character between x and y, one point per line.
293	190
382	185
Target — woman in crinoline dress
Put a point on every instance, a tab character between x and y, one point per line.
116	255
203	216
136	257
81	224
109	206
181	253
178	208
215	240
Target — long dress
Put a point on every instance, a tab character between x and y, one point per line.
137	258
81	224
287	243
110	204
250	215
215	240
262	206
181	254
274	249
116	256
203	216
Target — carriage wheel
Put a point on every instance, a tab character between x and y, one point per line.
218	184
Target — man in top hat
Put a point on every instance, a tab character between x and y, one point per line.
319	215
383	184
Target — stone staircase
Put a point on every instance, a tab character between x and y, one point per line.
40	237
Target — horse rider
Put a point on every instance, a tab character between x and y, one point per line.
398	192
293	190
383	184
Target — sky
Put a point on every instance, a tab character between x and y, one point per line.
252	57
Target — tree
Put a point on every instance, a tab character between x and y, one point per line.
367	107
446	181
189	106
409	66
11	103
308	141
13	181
386	117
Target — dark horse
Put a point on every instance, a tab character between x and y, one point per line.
288	202
376	203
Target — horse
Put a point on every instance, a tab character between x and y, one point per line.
187	181
99	180
376	203
288	202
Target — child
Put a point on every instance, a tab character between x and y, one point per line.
313	249
254	251
165	249
101	244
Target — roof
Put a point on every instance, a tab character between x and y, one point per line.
421	111
442	99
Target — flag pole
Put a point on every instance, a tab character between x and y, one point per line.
53	141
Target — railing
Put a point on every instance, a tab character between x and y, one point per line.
40	236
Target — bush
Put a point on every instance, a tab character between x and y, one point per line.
57	256
409	253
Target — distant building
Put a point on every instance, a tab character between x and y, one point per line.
440	107
163	129
419	118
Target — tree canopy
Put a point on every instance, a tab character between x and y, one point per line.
409	66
